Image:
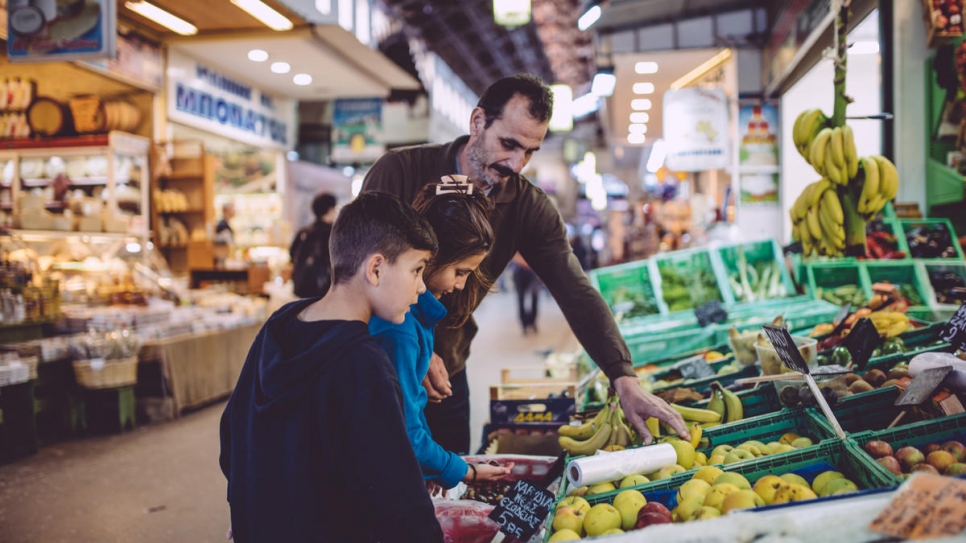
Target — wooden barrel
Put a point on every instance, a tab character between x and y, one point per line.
121	115
48	117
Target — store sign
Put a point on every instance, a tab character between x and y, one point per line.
203	98
696	129
48	30
357	130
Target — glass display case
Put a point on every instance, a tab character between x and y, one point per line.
86	184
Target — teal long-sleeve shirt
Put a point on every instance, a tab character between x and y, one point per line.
410	348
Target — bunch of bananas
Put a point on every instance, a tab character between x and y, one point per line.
818	221
880	185
608	430
725	403
889	324
833	155
808	124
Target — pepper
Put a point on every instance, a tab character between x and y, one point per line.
893	345
841	356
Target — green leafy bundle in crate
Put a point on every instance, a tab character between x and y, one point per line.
627	289
756	271
839	283
688	279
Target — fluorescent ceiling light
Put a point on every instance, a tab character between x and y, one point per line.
658	154
864	48
323	6
281	67
637	128
604	84
257	55
265	14
163	18
562	116
643	88
636	139
589	18
646	67
640	117
585	105
302	79
640	104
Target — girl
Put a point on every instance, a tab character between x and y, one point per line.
459	214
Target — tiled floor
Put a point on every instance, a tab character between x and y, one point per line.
162	483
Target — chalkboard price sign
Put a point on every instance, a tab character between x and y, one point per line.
923	386
955	330
862	340
694	368
523	509
710	313
786	348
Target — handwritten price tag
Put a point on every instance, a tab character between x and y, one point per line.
785	347
955	330
521	511
926	506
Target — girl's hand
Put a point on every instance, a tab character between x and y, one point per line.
487	472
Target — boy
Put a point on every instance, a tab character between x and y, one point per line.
313	440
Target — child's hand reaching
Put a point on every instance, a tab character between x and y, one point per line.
487	472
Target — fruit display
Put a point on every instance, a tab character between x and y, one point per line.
852	189
770	362
796	396
608	430
889	324
943	282
945	17
687	291
881	243
947	458
633	304
931	240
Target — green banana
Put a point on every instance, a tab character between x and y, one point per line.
716	403
588	428
695	414
590	446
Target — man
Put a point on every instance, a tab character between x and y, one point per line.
506	127
224	235
310	250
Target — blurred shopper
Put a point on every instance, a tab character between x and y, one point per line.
224	235
311	266
528	286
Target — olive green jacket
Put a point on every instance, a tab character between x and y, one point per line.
524	219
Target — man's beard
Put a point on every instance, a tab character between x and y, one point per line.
481	172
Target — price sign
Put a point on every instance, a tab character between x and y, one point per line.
842	314
786	348
927	506
955	330
710	313
521	511
861	341
923	386
694	368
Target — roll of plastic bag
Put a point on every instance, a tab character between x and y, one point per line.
956	379
611	466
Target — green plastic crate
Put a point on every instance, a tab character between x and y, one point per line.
917	434
756	254
833	274
700	279
627	282
844	455
909	224
943	311
868	411
761	400
899	273
892	226
647	346
767	428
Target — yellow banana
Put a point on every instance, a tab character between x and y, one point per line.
817	150
695	414
832	170
831	202
623	434
837	145
851	157
812	125
818	189
830	230
871	169
696	432
889	177
588	428
814	227
808	245
796	236
797	131
735	411
589	446
654	426
706	425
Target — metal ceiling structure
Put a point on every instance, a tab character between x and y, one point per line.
625	14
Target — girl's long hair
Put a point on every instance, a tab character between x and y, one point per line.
461	220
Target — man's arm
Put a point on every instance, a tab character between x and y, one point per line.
546	248
390	174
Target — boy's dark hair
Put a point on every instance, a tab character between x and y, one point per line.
322	203
375	222
462	226
496	96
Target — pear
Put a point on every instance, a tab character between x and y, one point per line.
718	493
708	474
629	503
736	479
602	517
823	479
743	499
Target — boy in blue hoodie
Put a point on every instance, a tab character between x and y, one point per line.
313	439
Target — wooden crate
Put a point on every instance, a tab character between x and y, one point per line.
535	375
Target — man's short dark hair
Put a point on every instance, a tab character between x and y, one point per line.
496	96
376	222
322	204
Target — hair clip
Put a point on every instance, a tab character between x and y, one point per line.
455	183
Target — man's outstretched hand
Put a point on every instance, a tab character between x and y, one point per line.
436	382
639	405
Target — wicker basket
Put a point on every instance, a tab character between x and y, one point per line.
112	373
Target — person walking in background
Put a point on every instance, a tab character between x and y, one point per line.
311	266
528	285
224	235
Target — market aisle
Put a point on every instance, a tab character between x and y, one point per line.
162	483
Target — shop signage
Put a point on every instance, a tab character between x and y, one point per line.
49	30
758	152
710	313
205	98
521	512
696	129
694	368
923	386
357	130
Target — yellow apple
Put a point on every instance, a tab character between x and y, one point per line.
685	452
576	502
600	518
743	499
686	509
569	518
708	474
767	486
600	488
791	478
564	535
718	493
694	487
629	504
706	513
825	478
838	486
634	480
736	479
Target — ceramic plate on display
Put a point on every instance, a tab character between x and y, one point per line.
55	166
97	166
76	167
8	172
32	168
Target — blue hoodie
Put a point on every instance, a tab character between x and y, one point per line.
313	440
410	347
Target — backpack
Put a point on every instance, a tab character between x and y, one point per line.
311	270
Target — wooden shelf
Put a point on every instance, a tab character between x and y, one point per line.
192	210
182	176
